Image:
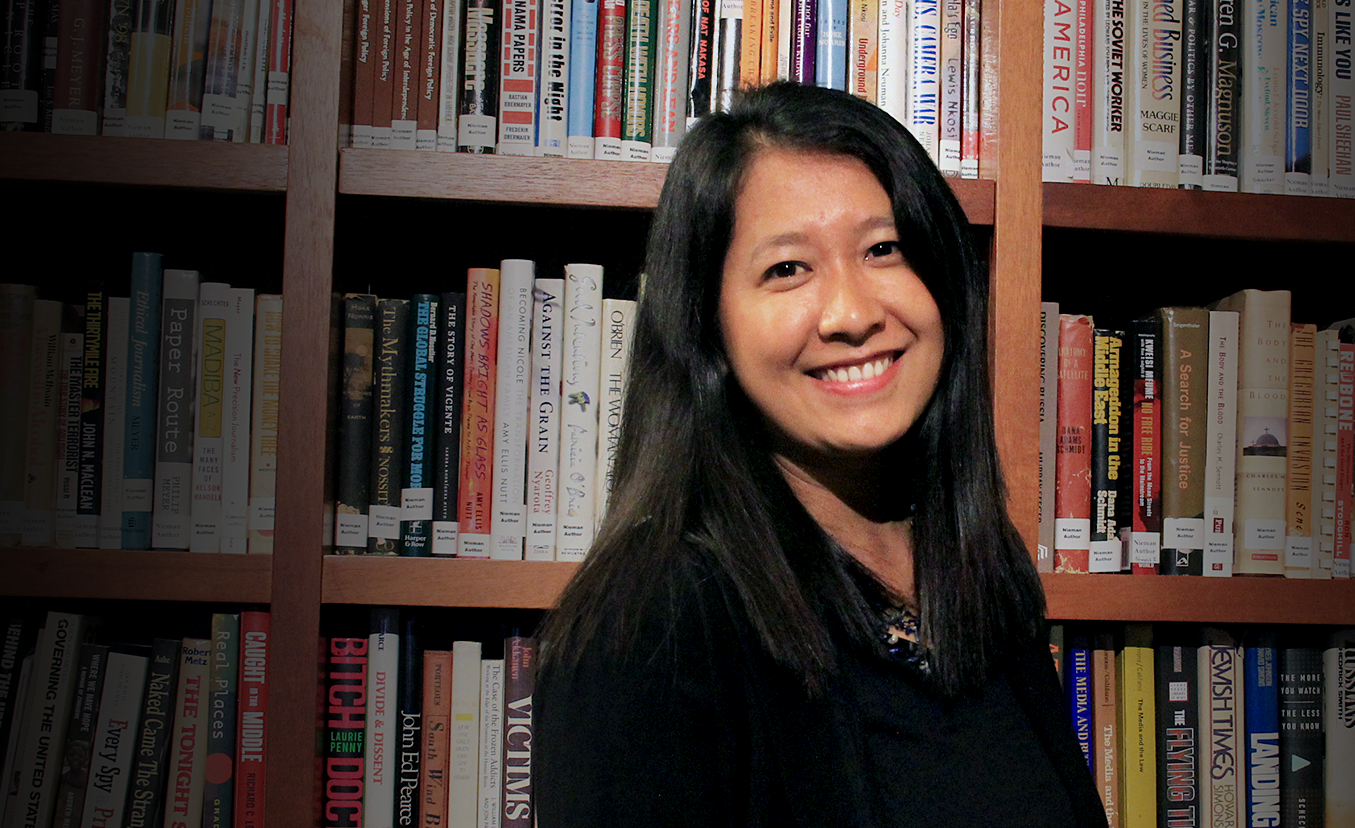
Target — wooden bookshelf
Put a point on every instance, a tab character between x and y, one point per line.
1198	600
142	576
444	582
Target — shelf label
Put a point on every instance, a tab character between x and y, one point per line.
11	517
384	522
261	511
1266	535
416	504
1183	533
1145	548
1072	533
137	495
1298	552
472	545
444	537
350	530
1104	556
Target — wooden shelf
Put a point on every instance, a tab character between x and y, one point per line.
1193	600
553	181
143	161
1197	213
443	582
140	576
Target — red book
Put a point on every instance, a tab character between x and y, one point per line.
1345	462
1072	463
346	726
79	67
279	74
429	77
364	74
611	79
252	725
1145	507
475	511
385	45
1082	94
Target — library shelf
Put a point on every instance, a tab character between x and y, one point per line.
1198	600
137	575
553	181
444	582
145	162
1198	213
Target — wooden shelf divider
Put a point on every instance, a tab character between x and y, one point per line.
1197	600
444	582
128	575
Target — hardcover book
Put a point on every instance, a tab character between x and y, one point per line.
1144	539
188	65
583	35
1107	453
114	424
637	102
352	483
383	666
1221	433
436	739
1264	63
215	313
670	79
610	74
414	726
170	523
345	733
89	486
1185	348
68	805
543	449
489	788
1219	663
553	96
1155	113
475	509
1072	494
149	49
619	321
143	382
447	441
235	425
1260	693
1298	516
416	493
1178	715
463	761
1224	108
1106	725
1194	93
388	426
252	722
512	391
579	393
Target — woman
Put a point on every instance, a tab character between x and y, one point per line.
807	604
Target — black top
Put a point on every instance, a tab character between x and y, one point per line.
696	726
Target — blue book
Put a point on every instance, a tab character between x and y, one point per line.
1077	686
416	500
1298	151
143	383
830	58
1261	694
583	47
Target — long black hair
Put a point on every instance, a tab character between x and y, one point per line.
694	483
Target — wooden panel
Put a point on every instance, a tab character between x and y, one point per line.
444	582
1196	213
145	161
1197	600
138	576
557	181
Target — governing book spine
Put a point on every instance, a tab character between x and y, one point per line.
383	667
552	106
413	727
115	736
170	526
89	497
1072	492
512	391
521	36
188	740
637	102
450	387
1178	725
1107	452
1302	746
1049	380
143	359
263	427
1223	139
583	35
1145	519
579	393
416	493
146	794
1110	86
1185	345
1222	773
1260	694
1221	434
237	388
475	506
352	484
388	428
1298	543
252	721
477	126
610	80
618	317
518	809
223	676
346	727
214	312
543	449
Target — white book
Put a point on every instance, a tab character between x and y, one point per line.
579	375
924	75
43	407
115	738
18	732
235	445
673	20
512	390
1049	404
115	420
447	79
1327	347
464	767
552	139
263	424
952	82
1220	675
1220	453
1341	94
246	81
1265	62
618	317
1155	114
68	437
215	305
491	742
725	53
783	13
517	77
382	764
891	85
188	736
543	445
259	74
171	521
1110	82
1338	662
1060	30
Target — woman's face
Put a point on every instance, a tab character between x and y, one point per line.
828	330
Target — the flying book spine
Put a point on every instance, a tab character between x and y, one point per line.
1060	28
1264	60
1143	541
830	56
1072	493
1156	109
1077	689
1106	726
583	41
518	76
1298	146
1261	698
16	338
79	82
352	491
1224	113
115	68
1341	162
477	123
1178	725
1298	517
1302	746
364	72
518	727
143	382
263	427
146	782
1107	452
150	43
1049	380
416	493
699	59
475	506
70	393
114	745
383	666
445	55
39	489
1082	94
236	413
552	106
388	427
68	805
450	387
223	676
579	392
1221	453
543	447
383	72
436	740
1219	664
215	306
188	738
114	424
1338	700
489	809
1191	146
670	79
345	730
221	74
1138	717
183	108
610	79
279	73
1185	349
414	728
171	515
252	720
89	498
952	83
618	317
637	102
512	390
405	104
463	763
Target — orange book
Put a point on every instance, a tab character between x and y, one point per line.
436	736
771	31
475	511
750	43
1072	459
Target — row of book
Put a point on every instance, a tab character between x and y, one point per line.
1253	96
215	70
622	79
1209	728
1197	441
481	424
141	422
424	736
103	729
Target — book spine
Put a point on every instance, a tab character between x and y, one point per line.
89	498
1338	701
519	685
223	676
20	78
1298	157
383	72
214	310
416	727
1060	27
863	32
68	423
774	16
118	54
583	37
489	809
346	729
1110	84
79	81
1138	769
188	740
610	73
637	102
512	391
16	644
183	108
1178	723
252	721
1077	687
1194	89
1049	380
1345	466
1263	86
1145	525
553	101
517	77
1156	141
50	25
1223	140
16	342
1220	702
475	506
1298	543
619	321
383	666
450	390
1185	345
221	75
699	61
114	424
830	48
37	763
1107	455
1106	726
364	73
1341	162
388	427
352	491
670	105
477	126
463	761
43	407
405	103
151	43
1221	436
543	456
170	526
1072	492
1327	348
1082	93
146	797
114	742
258	74
727	50
1260	694
143	359
1302	746
582	343
970	132
416	494
750	42
444	56
1319	84
952	85
804	40
235	439
437	736
785	12
263	427
68	804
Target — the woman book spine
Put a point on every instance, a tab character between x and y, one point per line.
352	489
263	427
637	104
610	72
475	507
345	732
1221	453
553	96
477	124
618	318
388	426
89	498
670	79
1223	126
416	493
1108	469
512	393
183	108
1072	492
143	382
1185	352
519	51
579	392
41	435
1194	94
543	447
1298	518
252	720
382	755
700	61
447	442
114	424
583	37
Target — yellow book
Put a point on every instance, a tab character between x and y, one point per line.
771	28
1138	757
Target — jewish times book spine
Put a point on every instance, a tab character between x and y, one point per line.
583	36
1072	493
352	492
1338	661
1264	62
214	311
610	79
1298	518
512	391
1262	428
188	739
1110	87
1106	725
171	526
388	428
252	720
1185	348
146	794
416	493
518	77
1260	694
143	359
1219	663
1223	136
477	124
1060	27
579	392
223	676
436	740
637	102
1144	540
183	108
1194	93
1178	725
345	731
1107	452
383	669
475	506
543	447
93	373
237	387
263	427
447	463
1221	435
670	79
114	424
1049	382
43	407
489	807
552	106
115	735
1138	717
69	382
618	329
518	728
1302	746
1298	145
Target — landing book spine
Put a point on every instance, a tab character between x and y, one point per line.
1262	720
352	483
388	428
1338	702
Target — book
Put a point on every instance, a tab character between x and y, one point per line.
117	54
1049	380
1082	92
518	77
519	681
579	393
1060	27
1156	109
221	74
1175	670
215	314
1106	725
70	394
475	509
543	448
750	43
21	77
149	51
489	809
699	60
1144	540
436	737
1221	435
89	488
1298	515
114	742
1345	461
257	95
1260	694
1302	745
17	641
1223	128
951	73
1320	137
172	510
364	73
237	411
388	426
1338	704
804	43
512	391
673	20
1326	413
727	51
383	72
637	97
1110	74
1077	690
223	677
1185	347
1105	549
1219	663
447	442
414	725
39	469
69	802
463	761
279	73
188	66
263	425
610	80
1264	62
1072	492
619	321
79	79
143	382
406	63
924	40
478	98
1194	76
351	483
16	338
1138	715
1341	162
416	493
251	756
383	670
583	32
863	33
552	104
830	50
188	737
1298	147
345	732
438	92
146	782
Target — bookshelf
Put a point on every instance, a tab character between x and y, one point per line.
317	182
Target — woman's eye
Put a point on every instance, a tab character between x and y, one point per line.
883	249
781	270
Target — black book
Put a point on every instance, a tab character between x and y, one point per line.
409	724
21	73
1194	89
70	792
416	520
89	490
477	130
1224	76
700	61
352	485
1109	472
447	440
146	788
1302	738
1178	727
388	426
17	640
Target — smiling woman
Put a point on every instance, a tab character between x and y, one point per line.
806	604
